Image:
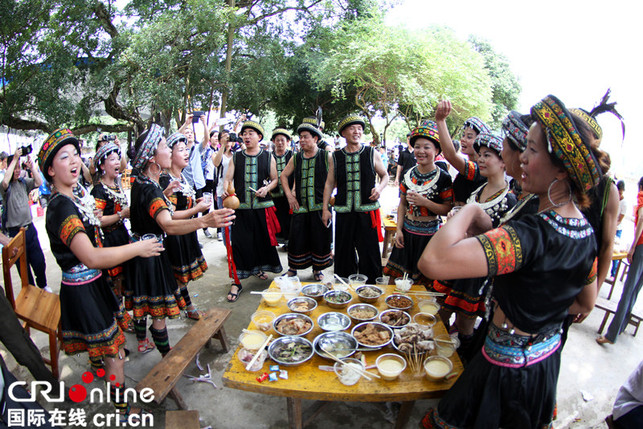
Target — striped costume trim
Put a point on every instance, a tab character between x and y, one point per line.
101	344
508	350
69	228
194	271
155	207
158	307
502	249
300	262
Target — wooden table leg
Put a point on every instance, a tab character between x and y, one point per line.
174	394
404	414
294	413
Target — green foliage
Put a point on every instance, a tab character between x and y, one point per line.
505	86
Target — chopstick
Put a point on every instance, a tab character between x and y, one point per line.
363	373
425	293
254	359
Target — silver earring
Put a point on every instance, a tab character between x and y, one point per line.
551	185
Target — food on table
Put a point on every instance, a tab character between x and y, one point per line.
333	321
430	307
413	338
369	292
372	335
293	326
349	372
300	306
339	350
292	352
399	301
339	297
390	365
245	356
437	367
395	318
263	320
252	340
271	297
362	313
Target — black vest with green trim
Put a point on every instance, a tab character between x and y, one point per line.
281	162
310	177
355	178
250	171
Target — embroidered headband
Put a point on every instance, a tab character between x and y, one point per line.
104	151
515	129
176	138
253	126
148	147
282	131
429	130
52	145
564	141
490	140
476	125
350	120
313	121
312	129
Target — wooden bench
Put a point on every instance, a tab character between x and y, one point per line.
184	419
163	377
610	308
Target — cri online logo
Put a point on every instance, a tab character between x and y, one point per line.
78	393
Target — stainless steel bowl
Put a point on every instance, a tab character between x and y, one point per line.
394	297
380	327
344	297
340	344
333	321
293	316
384	313
356	307
315	291
369	300
288	343
310	303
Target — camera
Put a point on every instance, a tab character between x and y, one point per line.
26	150
234	138
196	115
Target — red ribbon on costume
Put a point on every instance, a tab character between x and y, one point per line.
376	222
232	267
273	224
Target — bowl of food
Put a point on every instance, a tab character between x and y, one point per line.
446	345
403	284
333	321
294	324
251	339
315	291
349	371
339	344
246	356
263	319
290	350
372	335
395	318
428	306
437	367
390	365
271	297
399	302
302	304
413	339
356	280
362	312
369	294
337	299
425	319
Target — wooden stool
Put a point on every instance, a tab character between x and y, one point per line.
163	377
610	308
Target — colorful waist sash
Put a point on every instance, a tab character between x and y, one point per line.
418	227
516	351
80	275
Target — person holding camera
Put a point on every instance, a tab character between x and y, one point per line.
16	213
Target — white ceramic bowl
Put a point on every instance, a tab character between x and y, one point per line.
390	365
437	367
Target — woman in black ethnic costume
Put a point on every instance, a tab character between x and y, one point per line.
466	297
544	267
151	286
88	305
183	251
426	193
310	237
111	200
253	172
281	152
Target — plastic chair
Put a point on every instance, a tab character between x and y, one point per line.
37	308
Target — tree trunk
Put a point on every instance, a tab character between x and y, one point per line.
228	67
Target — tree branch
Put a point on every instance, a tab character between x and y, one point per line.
104	18
114	128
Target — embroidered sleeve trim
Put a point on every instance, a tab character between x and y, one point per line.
156	206
71	226
100	204
502	249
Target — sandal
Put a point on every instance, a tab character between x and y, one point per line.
291	272
318	276
261	275
194	314
145	346
603	340
233	296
